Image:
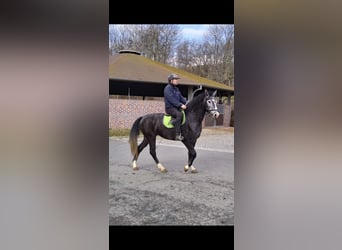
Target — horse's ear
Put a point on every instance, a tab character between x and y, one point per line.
206	93
214	94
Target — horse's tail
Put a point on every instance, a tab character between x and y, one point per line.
133	136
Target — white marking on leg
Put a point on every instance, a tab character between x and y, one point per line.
161	168
134	164
193	169
186	168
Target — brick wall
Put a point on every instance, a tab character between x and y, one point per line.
122	113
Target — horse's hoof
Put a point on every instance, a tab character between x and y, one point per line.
193	170
163	170
134	165
186	168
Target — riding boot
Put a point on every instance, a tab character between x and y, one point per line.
179	137
173	121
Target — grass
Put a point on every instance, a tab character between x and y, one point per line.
119	132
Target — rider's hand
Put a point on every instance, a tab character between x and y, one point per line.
183	106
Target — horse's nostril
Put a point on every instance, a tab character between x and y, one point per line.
215	114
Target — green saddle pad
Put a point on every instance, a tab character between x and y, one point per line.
167	120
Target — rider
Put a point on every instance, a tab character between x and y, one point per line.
174	103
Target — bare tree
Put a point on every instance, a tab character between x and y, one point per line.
228	55
212	57
155	41
186	57
159	41
223	68
120	37
202	55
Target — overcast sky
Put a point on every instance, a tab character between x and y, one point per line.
193	31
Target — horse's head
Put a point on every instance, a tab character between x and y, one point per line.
211	104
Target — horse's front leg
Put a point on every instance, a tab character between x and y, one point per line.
191	156
152	142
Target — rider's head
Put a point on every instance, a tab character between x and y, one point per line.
173	77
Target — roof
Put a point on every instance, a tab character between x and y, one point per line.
134	67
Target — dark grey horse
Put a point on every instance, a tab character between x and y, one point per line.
151	125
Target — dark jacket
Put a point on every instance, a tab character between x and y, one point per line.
173	97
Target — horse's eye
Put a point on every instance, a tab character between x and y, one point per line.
209	102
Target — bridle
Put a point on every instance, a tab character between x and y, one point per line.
211	106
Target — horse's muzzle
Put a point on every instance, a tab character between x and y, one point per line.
215	114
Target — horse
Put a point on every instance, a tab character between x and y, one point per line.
151	125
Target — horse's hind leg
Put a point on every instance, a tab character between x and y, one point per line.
152	142
141	146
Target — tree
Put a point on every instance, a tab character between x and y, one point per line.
221	53
156	41
120	37
186	54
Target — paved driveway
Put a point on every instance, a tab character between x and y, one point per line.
149	197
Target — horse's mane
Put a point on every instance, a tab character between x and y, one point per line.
196	101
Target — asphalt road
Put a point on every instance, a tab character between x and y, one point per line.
149	197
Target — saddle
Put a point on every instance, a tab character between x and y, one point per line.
167	120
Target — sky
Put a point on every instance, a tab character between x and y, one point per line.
193	31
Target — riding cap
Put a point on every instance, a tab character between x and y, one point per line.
173	76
